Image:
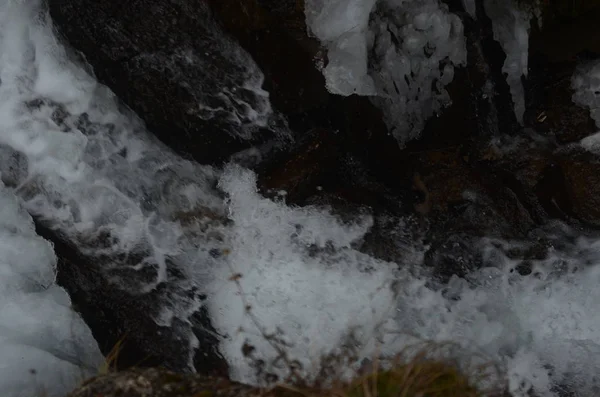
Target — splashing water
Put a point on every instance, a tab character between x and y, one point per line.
88	169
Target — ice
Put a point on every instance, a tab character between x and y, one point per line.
45	347
470	7
586	84
408	42
342	27
511	25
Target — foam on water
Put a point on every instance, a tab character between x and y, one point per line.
89	170
298	280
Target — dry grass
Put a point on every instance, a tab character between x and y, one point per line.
421	375
111	360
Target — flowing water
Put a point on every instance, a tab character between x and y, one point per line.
87	168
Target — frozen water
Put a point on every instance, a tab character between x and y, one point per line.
586	83
342	27
414	45
511	26
45	347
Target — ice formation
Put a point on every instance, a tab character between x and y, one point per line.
586	83
342	26
416	45
511	25
45	347
402	53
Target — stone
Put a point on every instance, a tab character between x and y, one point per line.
194	86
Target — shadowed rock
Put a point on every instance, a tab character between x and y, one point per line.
196	89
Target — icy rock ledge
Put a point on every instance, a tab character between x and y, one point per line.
45	347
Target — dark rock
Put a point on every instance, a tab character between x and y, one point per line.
274	33
196	89
555	49
119	316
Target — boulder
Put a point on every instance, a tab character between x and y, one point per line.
193	85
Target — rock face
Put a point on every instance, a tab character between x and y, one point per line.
122	318
196	89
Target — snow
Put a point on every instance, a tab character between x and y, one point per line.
408	42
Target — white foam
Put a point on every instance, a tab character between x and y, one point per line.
540	329
299	274
93	173
45	347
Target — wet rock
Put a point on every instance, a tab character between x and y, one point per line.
195	87
581	172
301	171
118	316
13	166
274	33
